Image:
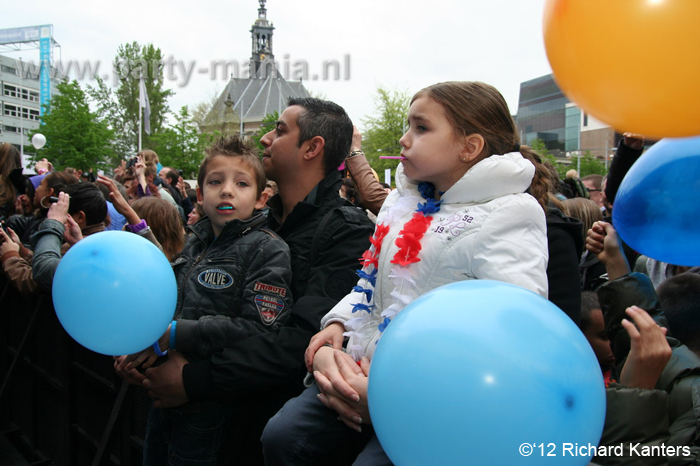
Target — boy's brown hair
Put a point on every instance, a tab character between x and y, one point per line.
233	146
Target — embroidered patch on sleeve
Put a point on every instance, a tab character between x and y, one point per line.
269	307
276	290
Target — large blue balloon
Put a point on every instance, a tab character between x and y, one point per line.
656	208
115	293
485	373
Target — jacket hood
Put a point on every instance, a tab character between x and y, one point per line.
489	179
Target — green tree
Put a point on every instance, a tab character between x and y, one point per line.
75	136
382	131
267	124
132	62
541	148
181	145
591	165
108	109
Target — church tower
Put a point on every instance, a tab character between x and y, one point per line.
261	33
245	102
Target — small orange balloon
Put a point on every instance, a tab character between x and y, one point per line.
633	64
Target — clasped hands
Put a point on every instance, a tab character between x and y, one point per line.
342	383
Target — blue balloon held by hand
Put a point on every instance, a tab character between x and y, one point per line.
656	208
114	293
485	373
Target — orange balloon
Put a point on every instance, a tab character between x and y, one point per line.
633	64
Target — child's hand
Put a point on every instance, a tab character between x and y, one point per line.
7	245
649	351
333	335
120	204
22	205
73	233
59	209
351	412
132	376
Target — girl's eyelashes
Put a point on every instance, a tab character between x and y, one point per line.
421	129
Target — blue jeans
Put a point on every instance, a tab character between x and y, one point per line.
186	437
304	431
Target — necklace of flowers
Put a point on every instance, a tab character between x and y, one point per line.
409	243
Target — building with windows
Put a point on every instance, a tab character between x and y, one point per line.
19	104
545	113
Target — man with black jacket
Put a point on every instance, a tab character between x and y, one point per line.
326	236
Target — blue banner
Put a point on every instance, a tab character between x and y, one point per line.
44	75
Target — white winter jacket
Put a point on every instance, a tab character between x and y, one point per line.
487	228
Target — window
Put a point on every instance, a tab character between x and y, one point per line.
9	90
9	69
10	110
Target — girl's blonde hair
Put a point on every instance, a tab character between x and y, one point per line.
165	223
585	210
474	107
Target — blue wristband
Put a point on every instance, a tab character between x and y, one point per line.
172	334
156	348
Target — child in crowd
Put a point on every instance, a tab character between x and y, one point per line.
196	214
592	325
85	216
46	192
234	281
460	212
165	223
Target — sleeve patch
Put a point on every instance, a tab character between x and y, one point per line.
276	290
269	307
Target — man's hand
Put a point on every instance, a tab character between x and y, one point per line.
649	351
633	141
603	241
332	335
164	383
356	139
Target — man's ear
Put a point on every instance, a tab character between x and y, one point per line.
79	218
200	196
315	147
473	147
262	200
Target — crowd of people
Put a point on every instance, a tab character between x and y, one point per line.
267	358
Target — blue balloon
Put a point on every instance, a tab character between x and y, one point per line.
115	293
656	208
485	373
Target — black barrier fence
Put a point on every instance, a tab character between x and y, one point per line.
61	404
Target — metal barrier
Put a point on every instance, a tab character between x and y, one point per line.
61	404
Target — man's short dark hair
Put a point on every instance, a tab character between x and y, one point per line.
173	177
679	297
86	197
328	120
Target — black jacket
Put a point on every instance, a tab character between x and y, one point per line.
325	250
565	243
230	287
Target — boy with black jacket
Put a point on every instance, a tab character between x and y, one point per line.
234	282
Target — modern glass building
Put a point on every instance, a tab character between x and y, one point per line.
542	114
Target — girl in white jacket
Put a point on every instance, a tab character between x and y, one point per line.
462	210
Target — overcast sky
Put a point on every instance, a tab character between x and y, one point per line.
406	44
